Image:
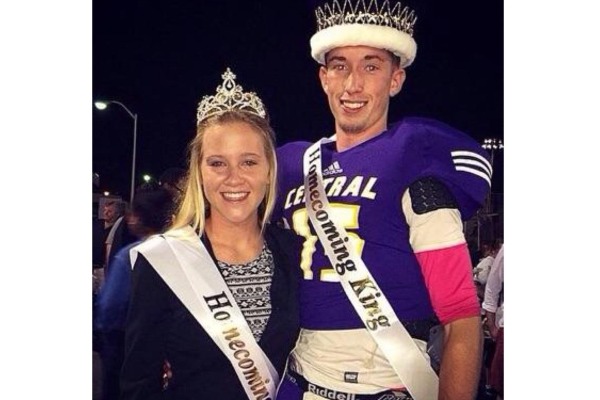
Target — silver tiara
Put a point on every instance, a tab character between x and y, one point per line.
230	96
398	17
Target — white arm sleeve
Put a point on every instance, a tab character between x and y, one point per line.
433	230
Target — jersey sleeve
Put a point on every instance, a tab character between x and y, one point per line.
455	159
437	239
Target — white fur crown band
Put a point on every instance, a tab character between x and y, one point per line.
365	25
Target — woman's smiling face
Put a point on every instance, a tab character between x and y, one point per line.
235	172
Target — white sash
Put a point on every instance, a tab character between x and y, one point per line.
182	261
363	292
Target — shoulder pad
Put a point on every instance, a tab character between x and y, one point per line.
429	194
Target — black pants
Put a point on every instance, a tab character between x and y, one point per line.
112	353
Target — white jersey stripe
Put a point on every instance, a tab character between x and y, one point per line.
470	161
472	154
475	172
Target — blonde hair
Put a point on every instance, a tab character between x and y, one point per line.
193	209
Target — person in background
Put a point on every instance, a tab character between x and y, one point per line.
480	275
482	269
493	304
109	235
174	180
116	232
149	214
380	207
214	303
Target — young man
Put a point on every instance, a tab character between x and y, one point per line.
380	207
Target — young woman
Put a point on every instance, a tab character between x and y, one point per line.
214	307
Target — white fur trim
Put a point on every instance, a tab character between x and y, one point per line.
382	37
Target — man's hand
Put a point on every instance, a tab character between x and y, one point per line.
491	324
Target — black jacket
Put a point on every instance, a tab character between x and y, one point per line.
159	328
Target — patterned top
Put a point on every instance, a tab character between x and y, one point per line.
250	285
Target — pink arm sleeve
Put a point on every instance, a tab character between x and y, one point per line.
447	274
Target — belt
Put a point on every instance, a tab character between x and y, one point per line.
327	393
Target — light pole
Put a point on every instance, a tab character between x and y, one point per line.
101	105
493	145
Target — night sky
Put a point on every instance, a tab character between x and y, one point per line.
160	58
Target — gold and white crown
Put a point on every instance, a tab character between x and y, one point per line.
365	23
230	96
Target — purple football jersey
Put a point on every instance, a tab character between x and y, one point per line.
364	185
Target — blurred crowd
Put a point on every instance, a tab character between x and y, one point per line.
118	227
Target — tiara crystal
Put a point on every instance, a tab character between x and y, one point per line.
230	96
398	17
